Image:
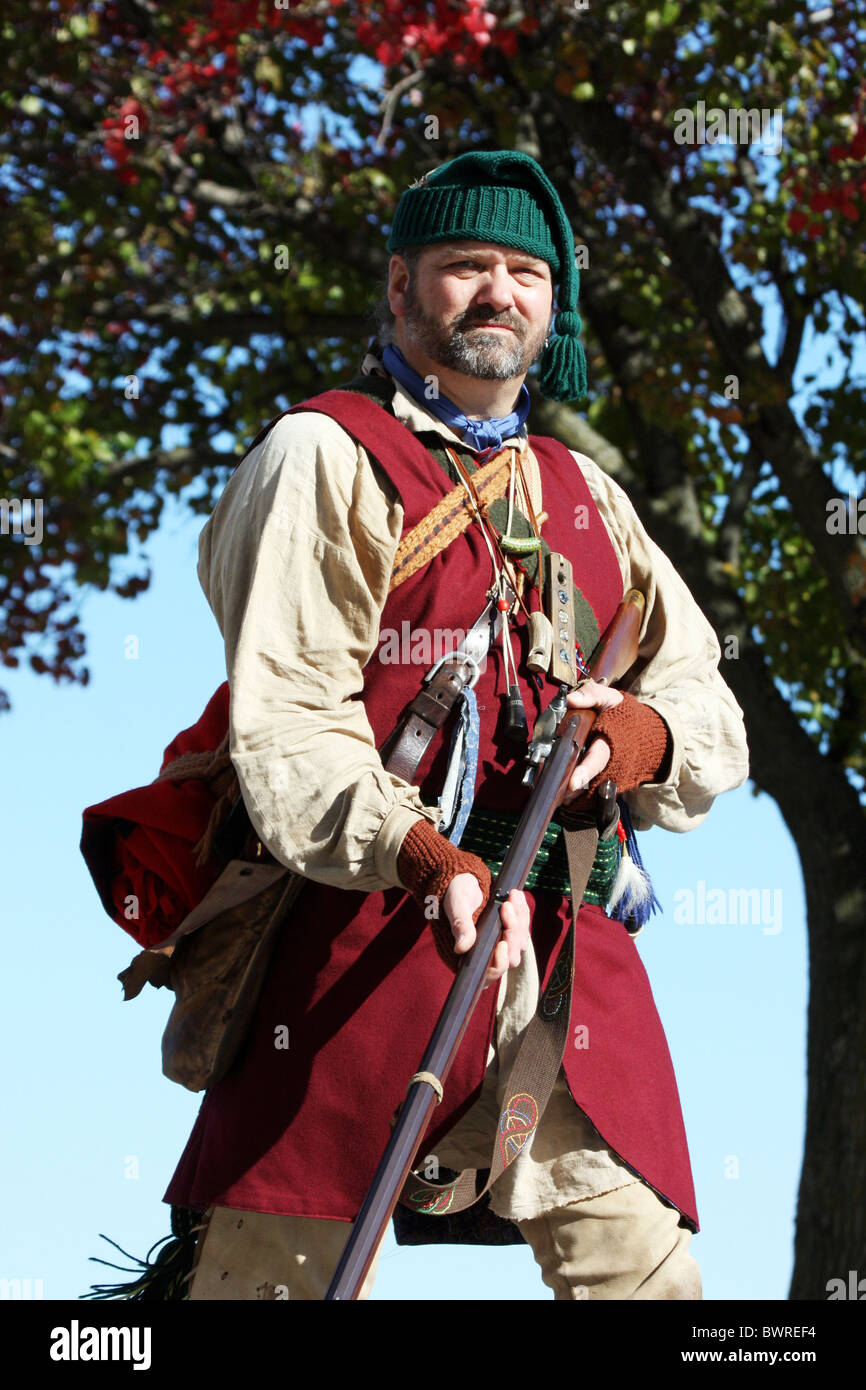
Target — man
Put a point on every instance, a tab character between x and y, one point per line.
298	564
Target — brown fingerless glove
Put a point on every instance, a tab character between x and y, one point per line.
426	864
640	744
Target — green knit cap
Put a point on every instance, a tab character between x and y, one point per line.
506	197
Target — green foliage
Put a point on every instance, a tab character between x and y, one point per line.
224	262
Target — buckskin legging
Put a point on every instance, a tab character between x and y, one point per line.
624	1244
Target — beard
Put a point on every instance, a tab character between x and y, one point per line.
489	355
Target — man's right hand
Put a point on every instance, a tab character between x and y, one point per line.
461	901
452	886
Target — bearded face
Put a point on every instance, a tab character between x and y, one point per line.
476	339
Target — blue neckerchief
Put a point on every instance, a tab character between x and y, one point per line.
481	434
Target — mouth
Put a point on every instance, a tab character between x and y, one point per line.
503	327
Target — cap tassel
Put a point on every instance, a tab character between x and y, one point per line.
563	363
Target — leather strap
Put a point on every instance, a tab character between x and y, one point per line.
531	1079
533	478
423	717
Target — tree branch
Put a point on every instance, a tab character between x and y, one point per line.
739	495
736	329
391	99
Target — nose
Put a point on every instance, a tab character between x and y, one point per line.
496	289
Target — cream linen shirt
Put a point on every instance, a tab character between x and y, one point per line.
295	562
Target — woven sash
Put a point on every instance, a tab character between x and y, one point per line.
489	833
448	519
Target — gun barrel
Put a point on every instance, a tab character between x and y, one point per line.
616	653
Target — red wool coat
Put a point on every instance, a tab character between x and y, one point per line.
355	976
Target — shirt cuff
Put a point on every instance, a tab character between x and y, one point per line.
394	829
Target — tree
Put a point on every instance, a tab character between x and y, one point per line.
179	252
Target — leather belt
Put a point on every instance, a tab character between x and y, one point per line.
406	745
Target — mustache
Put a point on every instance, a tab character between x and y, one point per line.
478	318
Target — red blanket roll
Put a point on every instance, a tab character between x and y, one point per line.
139	845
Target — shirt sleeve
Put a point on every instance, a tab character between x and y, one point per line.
677	674
295	562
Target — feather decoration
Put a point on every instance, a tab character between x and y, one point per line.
632	898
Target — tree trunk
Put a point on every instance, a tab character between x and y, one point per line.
831	1208
823	813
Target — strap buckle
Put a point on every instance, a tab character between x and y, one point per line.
479	636
450	656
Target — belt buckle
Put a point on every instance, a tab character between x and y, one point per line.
464	657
